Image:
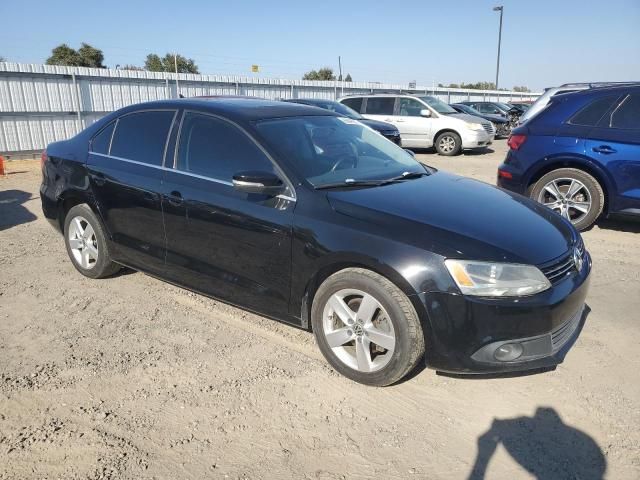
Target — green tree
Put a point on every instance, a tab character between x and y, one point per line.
86	56
348	78
2	59
324	73
154	63
131	67
521	89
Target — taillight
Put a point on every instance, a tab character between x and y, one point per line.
516	141
504	174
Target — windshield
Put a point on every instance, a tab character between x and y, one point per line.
339	108
505	106
329	150
469	110
438	105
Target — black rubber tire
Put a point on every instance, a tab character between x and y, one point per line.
594	187
458	144
406	324
104	266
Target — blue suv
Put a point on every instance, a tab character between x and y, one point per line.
580	156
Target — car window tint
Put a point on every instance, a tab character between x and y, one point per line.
591	114
627	115
217	149
410	107
380	106
354	103
100	143
142	136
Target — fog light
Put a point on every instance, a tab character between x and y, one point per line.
508	352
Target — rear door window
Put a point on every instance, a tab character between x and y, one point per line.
380	105
409	107
142	136
591	114
100	143
217	149
354	103
627	115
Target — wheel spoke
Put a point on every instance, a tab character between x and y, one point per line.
78	227
574	188
383	339
93	251
341	309
339	337
84	256
74	243
564	211
552	188
363	355
88	233
367	309
581	206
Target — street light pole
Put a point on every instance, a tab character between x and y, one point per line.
499	9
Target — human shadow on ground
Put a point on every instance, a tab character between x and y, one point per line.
12	209
544	446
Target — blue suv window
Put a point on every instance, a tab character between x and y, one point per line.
141	136
627	115
591	114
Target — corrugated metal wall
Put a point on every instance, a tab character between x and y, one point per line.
40	104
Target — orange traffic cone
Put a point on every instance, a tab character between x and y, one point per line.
2	172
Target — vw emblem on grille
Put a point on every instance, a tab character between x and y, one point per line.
577	259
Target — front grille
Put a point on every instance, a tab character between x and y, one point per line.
564	332
489	128
564	267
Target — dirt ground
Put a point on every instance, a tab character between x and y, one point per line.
130	377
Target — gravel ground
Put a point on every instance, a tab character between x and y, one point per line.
130	377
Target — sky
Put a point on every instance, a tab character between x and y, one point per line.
544	43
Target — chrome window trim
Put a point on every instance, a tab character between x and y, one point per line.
245	132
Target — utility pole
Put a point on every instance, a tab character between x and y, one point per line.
340	76
499	9
175	64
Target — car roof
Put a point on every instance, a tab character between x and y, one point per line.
599	91
309	101
245	109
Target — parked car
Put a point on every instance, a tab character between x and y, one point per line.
425	121
390	132
521	105
543	99
313	219
510	113
580	156
500	124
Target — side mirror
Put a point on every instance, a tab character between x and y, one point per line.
262	183
425	112
410	152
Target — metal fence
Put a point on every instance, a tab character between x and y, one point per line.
40	104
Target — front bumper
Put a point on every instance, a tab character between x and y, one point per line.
392	136
465	331
476	139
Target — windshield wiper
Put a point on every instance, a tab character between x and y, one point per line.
350	182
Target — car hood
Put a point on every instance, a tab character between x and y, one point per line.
378	125
459	217
465	117
496	118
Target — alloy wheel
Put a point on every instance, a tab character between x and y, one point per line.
567	196
358	330
83	242
447	144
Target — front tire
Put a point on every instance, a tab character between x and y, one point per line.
448	144
366	327
86	243
572	193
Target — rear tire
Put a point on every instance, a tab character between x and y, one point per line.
366	327
86	243
572	193
448	144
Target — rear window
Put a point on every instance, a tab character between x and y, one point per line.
591	114
142	136
627	115
354	103
380	106
100	143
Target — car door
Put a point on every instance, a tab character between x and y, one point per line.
381	109
220	241
417	131
125	174
615	144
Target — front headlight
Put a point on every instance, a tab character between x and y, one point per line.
487	279
476	126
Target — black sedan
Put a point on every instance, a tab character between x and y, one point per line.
390	132
501	124
313	219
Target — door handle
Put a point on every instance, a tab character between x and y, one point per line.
174	198
399	120
605	149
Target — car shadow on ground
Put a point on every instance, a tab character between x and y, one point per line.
465	153
543	445
628	225
12	209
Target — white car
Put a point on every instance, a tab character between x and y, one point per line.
425	121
